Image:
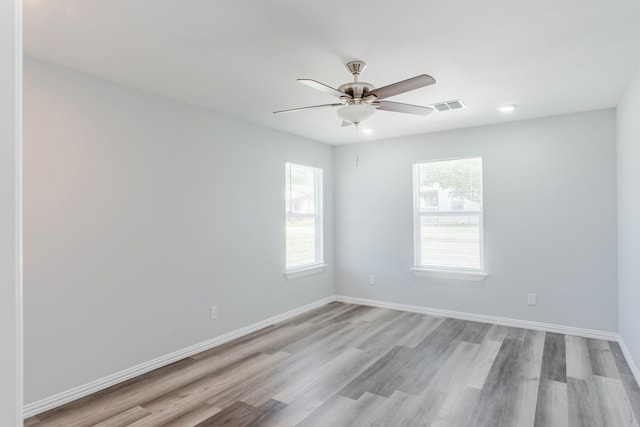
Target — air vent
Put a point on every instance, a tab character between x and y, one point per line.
449	105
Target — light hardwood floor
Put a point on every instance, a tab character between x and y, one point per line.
349	365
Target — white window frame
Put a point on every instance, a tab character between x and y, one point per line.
463	273
318	265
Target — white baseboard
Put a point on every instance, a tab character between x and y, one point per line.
568	330
59	399
630	361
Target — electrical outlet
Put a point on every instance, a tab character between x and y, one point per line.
532	299
214	312
372	279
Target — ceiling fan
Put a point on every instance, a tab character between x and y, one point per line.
358	100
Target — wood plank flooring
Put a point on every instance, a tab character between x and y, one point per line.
350	365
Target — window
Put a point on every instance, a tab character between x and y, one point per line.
448	217
303	227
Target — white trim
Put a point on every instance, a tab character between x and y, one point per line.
18	212
417	234
318	178
476	276
547	327
59	399
308	270
632	365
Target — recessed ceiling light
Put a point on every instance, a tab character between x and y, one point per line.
367	131
507	108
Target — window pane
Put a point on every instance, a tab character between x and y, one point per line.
450	240
450	185
300	185
301	241
303	224
448	195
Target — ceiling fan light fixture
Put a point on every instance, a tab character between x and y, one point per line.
356	113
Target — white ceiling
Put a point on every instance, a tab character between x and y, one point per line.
242	58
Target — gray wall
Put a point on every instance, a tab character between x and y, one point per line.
628	115
10	401
549	223
141	213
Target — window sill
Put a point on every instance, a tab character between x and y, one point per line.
307	270
476	276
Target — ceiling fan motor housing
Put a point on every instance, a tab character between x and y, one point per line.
357	90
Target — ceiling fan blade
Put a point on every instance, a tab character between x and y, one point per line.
345	124
404	108
308	108
403	86
323	88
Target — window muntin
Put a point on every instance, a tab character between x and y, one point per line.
448	214
303	224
